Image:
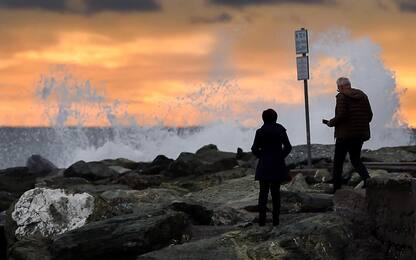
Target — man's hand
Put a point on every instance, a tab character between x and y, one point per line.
326	122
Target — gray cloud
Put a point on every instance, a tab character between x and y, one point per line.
242	3
407	6
83	6
121	5
222	18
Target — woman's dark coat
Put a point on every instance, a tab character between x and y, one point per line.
271	145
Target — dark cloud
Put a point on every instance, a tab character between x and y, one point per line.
51	5
407	6
83	6
222	18
242	3
94	6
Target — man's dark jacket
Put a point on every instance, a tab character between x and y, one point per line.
352	115
271	145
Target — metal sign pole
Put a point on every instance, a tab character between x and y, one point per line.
308	128
301	41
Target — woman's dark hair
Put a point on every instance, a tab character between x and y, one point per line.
269	116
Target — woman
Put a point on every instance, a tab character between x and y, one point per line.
271	146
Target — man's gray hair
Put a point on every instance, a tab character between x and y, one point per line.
343	82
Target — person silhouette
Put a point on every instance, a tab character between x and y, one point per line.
271	146
352	119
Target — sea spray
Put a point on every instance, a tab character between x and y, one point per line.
72	106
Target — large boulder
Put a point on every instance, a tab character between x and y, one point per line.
3	241
40	166
203	249
391	207
122	237
17	180
352	204
91	171
186	164
47	213
211	154
29	249
158	165
206	160
293	202
323	236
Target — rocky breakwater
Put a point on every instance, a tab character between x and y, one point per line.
203	205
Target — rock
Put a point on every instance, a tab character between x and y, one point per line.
125	163
243	156
200	215
186	164
365	249
204	249
29	249
320	152
17	180
208	180
152	195
224	215
220	165
389	154
119	169
352	204
207	148
158	165
61	182
243	192
213	155
140	182
3	241
391	207
378	173
324	236
48	213
355	179
122	237
293	202
298	184
40	166
323	175
90	171
203	162
235	193
322	188
6	199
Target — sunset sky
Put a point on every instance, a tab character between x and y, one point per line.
167	60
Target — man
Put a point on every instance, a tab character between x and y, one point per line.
271	145
352	117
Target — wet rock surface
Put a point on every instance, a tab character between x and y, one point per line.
122	237
90	171
203	205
